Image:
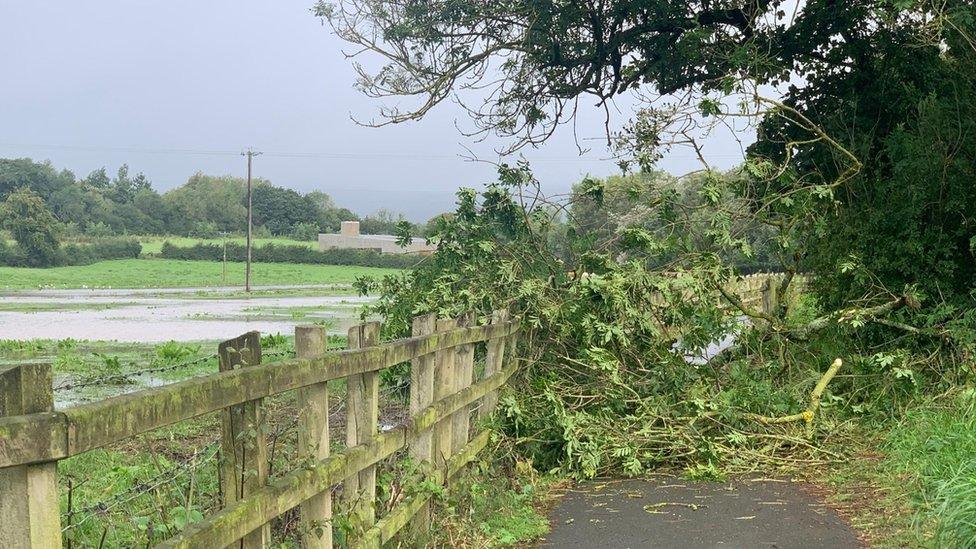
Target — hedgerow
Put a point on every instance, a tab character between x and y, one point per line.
272	253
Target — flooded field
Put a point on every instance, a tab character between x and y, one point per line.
154	316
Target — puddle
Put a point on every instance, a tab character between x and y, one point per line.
72	397
715	347
155	316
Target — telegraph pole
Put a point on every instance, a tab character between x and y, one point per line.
247	267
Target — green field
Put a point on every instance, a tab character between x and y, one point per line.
154	244
165	273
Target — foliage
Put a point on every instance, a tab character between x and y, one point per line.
907	111
82	253
611	316
305	231
32	225
497	502
280	210
174	351
205	206
875	98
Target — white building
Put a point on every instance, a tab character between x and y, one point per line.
349	238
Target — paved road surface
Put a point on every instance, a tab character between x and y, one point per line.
672	513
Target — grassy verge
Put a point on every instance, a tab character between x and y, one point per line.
498	501
912	481
161	273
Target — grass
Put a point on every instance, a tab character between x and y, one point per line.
497	502
933	449
41	307
152	245
911	481
164	273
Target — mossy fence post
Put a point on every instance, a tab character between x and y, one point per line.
29	511
422	396
243	444
362	424
313	439
463	376
443	388
769	301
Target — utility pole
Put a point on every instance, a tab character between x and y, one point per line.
247	267
223	276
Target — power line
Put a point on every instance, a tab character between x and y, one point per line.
336	155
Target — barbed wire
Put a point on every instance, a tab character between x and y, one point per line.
166	475
125	376
199	457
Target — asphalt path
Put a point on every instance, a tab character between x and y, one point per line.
668	512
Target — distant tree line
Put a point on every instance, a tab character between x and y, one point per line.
41	205
99	205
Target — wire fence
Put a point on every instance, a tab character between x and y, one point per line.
123	377
101	508
116	378
75	518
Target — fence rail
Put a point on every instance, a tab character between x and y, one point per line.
443	393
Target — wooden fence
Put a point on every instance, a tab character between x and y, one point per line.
758	291
443	392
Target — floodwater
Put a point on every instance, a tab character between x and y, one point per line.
154	316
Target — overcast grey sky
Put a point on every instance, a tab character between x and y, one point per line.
175	87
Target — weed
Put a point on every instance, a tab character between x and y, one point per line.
273	340
110	365
173	351
495	502
704	472
67	344
21	346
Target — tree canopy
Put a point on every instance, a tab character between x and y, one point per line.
206	205
847	99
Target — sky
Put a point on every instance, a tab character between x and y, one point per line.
177	87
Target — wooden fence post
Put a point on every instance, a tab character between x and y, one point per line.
422	396
362	422
313	439
29	512
243	444
493	363
768	292
443	387
463	376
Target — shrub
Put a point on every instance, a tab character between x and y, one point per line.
99	230
305	231
100	249
205	229
33	226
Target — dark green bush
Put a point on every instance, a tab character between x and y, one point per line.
99	249
271	253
